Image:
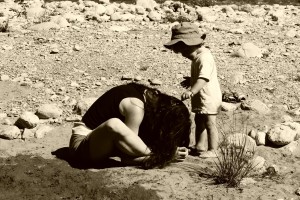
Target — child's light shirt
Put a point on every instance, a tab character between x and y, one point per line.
208	100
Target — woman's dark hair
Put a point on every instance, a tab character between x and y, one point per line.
165	127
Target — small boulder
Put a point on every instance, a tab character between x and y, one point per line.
291	33
47	111
258	162
115	16
293	148
60	20
253	133
154	16
240	140
9	132
110	9
147	4
4	77
46	26
127	17
34	13
27	120
155	81
229	107
281	134
28	133
255	105
83	105
42	130
248	50
140	10
260	138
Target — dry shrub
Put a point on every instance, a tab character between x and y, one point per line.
234	161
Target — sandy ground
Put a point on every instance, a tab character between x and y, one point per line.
39	169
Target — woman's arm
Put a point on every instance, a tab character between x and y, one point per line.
134	161
180	156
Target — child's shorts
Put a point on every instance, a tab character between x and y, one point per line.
79	145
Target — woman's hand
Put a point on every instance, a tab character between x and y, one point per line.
181	154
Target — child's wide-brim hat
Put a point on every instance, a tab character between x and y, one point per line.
185	32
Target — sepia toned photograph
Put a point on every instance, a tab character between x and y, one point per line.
149	100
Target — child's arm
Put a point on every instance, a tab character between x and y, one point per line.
201	82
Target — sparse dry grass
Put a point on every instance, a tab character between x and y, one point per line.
235	158
234	163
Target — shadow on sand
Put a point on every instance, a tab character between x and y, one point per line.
64	154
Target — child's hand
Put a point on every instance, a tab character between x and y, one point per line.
181	154
186	82
186	95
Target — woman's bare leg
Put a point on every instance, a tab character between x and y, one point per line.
115	134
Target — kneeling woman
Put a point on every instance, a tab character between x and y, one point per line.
139	124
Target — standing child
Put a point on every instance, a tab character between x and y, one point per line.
204	90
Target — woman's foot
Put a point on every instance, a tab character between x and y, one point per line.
208	154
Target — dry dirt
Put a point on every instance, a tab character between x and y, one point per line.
28	168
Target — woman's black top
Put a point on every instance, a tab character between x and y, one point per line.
107	105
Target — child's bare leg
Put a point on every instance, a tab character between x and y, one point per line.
115	134
212	132
200	132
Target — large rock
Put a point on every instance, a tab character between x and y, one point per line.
147	4
115	16
83	105
258	162
140	10
47	111
35	13
246	8
293	147
154	16
229	107
255	105
229	11
248	50
291	33
240	140
260	138
60	20
42	130
127	17
27	120
28	133
206	14
100	9
9	132
282	134
258	12
110	9
46	26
